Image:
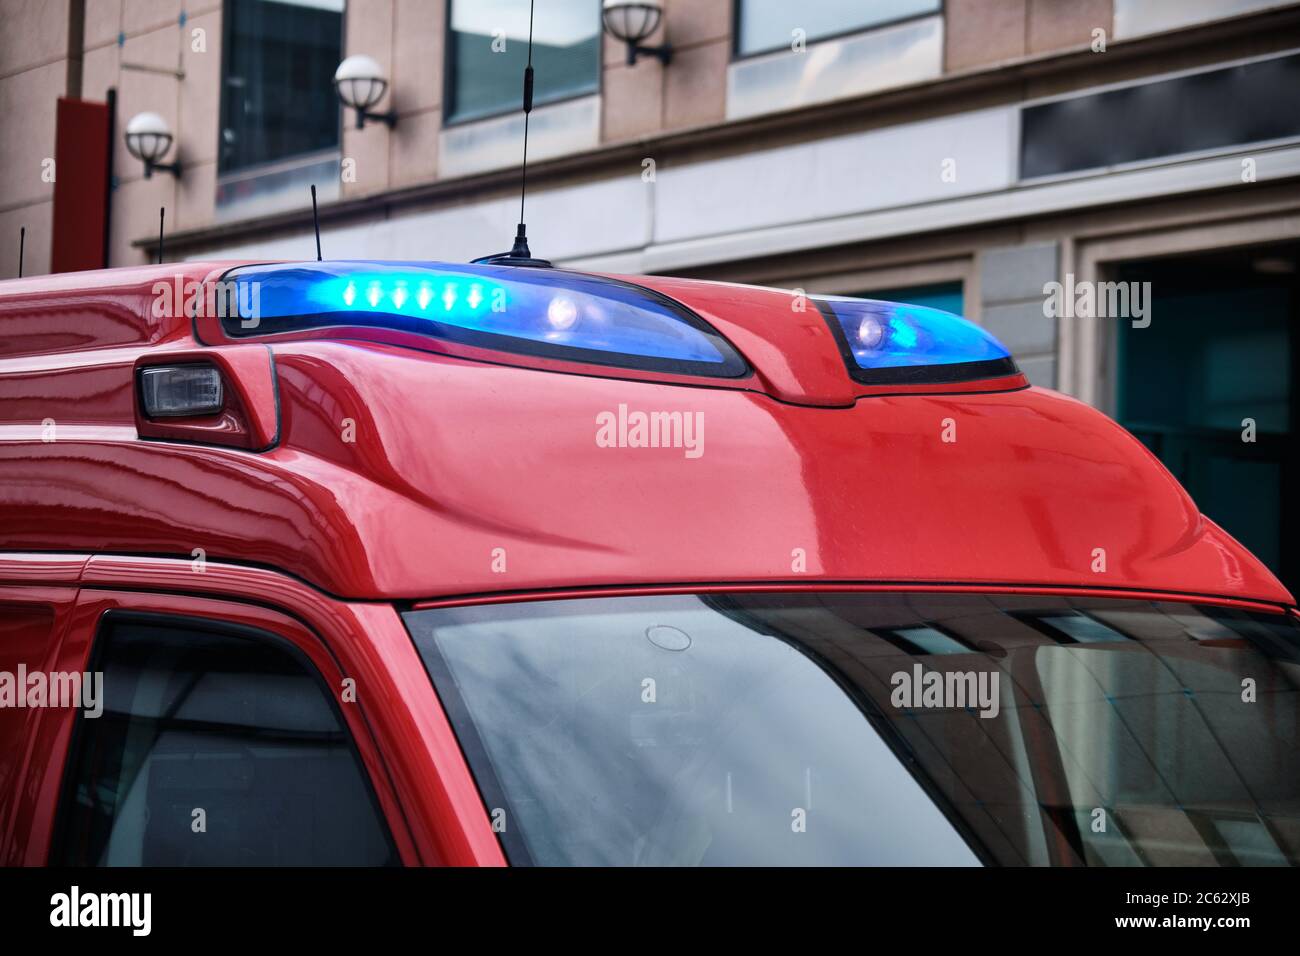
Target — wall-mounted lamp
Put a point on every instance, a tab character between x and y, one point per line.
360	84
147	139
632	21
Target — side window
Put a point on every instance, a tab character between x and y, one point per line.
215	747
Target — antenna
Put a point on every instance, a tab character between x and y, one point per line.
521	235
519	254
162	214
315	220
22	247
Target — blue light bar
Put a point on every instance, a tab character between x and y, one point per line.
894	343
541	312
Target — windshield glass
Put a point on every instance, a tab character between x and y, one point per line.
880	729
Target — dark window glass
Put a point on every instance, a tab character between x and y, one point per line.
697	729
765	25
235	726
277	96
489	48
1211	387
1251	103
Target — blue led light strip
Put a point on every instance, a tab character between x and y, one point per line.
531	311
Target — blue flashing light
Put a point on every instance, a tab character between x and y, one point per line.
450	298
533	311
886	342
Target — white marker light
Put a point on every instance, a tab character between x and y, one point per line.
171	391
561	313
870	332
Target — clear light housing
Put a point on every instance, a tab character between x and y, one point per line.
632	20
561	313
176	391
148	137
360	82
542	312
893	342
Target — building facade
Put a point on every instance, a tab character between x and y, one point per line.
961	153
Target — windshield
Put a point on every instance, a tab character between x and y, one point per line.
880	729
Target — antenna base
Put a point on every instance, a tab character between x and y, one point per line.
510	259
520	255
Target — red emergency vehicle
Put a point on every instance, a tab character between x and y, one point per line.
417	563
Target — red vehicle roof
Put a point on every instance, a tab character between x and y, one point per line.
459	455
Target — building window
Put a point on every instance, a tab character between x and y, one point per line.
488	49
763	26
1233	107
277	96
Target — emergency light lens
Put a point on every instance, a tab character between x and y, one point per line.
891	342
870	332
175	391
561	313
543	312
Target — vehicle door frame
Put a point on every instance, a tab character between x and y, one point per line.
415	767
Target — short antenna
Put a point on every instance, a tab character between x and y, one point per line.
315	220
22	247
162	214
520	254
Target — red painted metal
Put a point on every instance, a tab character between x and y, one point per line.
250	417
405	740
378	466
402	473
33	617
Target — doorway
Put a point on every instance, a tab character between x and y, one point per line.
1210	386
